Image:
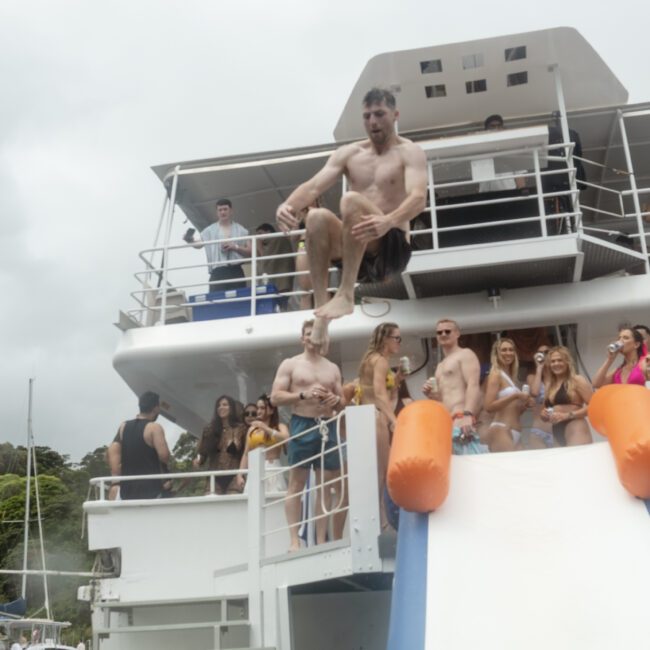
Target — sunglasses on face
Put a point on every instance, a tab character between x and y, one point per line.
441	332
397	338
250	414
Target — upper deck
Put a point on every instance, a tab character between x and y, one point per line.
516	212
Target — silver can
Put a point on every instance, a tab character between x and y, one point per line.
433	382
539	357
405	365
615	347
525	389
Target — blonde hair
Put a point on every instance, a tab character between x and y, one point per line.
495	361
552	383
448	320
379	335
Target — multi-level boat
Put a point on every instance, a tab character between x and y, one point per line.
540	226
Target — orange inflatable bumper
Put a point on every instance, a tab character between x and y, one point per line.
420	455
621	413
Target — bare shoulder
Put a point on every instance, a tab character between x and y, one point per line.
411	149
154	428
468	355
288	365
331	366
347	151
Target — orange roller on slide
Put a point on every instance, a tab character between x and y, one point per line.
420	456
621	413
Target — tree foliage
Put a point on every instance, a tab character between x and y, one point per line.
63	487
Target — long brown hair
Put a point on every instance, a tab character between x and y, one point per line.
379	335
212	434
552	383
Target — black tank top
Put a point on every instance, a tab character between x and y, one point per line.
138	458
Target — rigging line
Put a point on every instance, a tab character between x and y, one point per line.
40	533
27	487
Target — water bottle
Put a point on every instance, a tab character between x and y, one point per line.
265	279
615	347
405	365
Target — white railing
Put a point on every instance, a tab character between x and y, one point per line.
362	460
564	207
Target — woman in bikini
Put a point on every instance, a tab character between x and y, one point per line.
634	368
503	399
266	431
222	444
541	435
566	400
376	380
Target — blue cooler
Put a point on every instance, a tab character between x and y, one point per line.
267	301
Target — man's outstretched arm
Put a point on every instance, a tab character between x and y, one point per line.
306	193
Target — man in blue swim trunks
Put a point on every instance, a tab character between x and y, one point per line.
311	385
457	379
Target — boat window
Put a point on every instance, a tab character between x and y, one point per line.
472	61
515	53
518	78
429	67
438	90
476	86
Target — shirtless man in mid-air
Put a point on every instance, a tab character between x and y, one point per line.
457	378
387	178
311	385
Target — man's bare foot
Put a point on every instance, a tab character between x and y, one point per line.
319	335
338	306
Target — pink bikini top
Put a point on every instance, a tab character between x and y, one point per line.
637	376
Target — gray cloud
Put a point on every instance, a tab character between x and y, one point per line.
96	93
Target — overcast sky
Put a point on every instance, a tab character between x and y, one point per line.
94	93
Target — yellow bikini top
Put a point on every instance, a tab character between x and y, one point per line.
390	384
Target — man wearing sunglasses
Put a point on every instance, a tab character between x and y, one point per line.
458	387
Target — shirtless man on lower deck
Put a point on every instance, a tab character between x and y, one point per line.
458	388
387	179
311	385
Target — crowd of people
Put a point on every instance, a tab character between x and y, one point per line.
486	411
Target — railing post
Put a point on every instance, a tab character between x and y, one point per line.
254	275
170	217
255	489
539	192
432	206
364	518
635	191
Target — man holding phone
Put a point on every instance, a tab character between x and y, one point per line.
224	259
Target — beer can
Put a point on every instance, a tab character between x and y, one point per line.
525	389
539	357
405	365
615	347
433	382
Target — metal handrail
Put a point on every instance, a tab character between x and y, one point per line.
144	296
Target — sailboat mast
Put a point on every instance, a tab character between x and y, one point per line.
28	486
